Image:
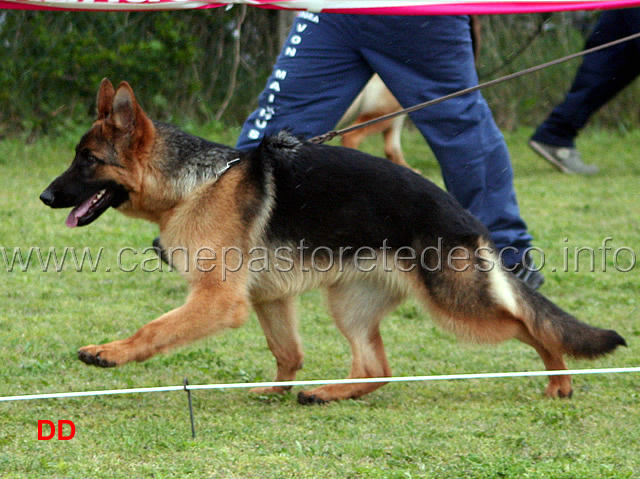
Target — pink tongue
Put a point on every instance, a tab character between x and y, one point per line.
78	212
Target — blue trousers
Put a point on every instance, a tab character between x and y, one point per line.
327	60
600	77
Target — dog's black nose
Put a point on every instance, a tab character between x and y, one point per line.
47	197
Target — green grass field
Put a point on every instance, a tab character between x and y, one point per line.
456	429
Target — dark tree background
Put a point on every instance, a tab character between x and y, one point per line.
210	65
182	64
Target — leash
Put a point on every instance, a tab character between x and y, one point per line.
334	133
224	169
545	17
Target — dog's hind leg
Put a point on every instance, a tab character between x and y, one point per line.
559	386
392	142
279	323
357	309
488	310
490	306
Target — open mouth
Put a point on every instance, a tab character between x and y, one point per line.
90	209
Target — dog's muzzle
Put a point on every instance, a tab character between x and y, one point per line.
47	197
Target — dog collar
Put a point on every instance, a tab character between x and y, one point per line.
226	167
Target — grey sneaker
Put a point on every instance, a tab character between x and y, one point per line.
529	275
567	160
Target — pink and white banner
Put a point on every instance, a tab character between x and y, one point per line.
383	7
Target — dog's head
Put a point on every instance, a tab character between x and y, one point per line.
106	170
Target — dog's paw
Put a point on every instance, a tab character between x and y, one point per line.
306	399
95	356
562	390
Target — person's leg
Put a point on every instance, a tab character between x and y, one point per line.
421	58
316	77
601	76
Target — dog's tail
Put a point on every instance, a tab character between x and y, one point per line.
558	331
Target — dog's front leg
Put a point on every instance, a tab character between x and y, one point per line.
206	312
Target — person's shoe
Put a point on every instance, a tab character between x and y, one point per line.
567	160
528	273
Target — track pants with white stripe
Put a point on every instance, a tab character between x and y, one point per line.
328	58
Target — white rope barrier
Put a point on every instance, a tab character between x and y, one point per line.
318	382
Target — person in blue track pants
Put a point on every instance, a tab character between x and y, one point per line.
328	58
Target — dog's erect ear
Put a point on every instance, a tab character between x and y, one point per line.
105	99
124	107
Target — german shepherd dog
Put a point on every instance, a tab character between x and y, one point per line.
303	205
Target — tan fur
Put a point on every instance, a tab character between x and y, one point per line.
283	279
279	324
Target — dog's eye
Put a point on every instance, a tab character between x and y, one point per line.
88	157
92	159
